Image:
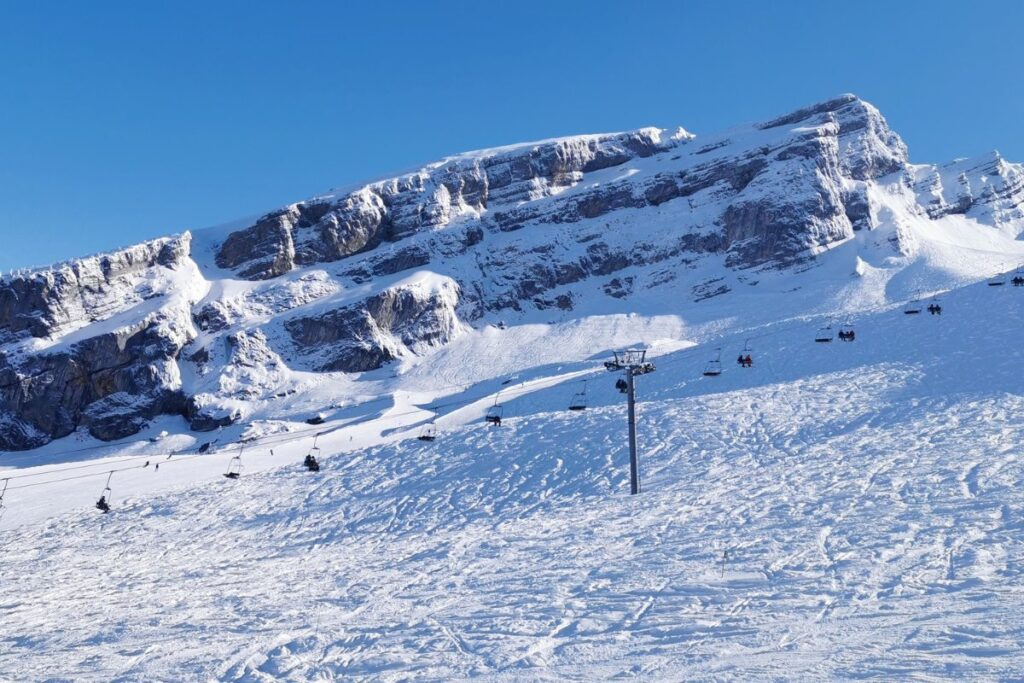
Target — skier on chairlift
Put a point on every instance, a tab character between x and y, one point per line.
102	504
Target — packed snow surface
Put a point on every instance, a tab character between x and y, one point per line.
841	510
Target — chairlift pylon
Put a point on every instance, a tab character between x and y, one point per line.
579	399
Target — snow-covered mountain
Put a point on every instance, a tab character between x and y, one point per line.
219	325
838	510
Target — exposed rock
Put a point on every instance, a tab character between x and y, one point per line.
325	230
388	325
619	287
50	301
110	383
114	381
206	418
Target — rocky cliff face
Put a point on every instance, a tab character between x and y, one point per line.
350	281
987	187
94	343
396	322
331	228
774	191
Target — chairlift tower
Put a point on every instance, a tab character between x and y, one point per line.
632	362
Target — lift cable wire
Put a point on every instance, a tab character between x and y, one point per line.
671	358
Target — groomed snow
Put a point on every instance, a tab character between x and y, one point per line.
865	499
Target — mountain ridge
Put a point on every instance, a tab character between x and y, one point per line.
348	282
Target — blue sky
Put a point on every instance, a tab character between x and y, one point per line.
121	121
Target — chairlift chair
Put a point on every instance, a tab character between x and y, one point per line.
310	462
621	385
847	333
997	280
428	433
745	360
494	414
913	306
824	335
103	504
714	366
234	470
579	399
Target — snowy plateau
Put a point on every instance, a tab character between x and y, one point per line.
837	510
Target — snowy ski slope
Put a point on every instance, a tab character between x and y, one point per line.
837	511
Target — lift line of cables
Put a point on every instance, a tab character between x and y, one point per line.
269	439
670	359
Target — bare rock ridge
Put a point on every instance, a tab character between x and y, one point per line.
350	281
111	380
774	196
329	229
